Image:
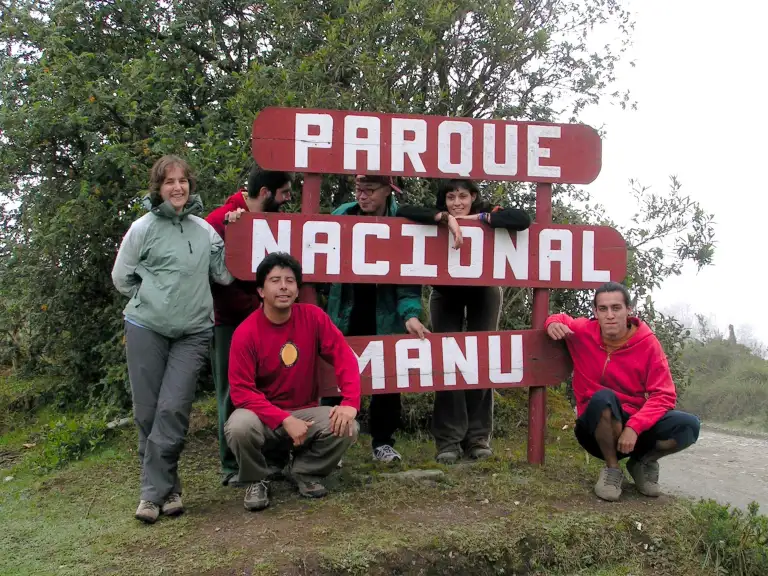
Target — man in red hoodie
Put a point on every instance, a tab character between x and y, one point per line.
624	392
266	192
273	387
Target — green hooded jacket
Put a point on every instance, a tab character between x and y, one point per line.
165	264
395	303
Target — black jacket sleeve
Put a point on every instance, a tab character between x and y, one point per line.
511	219
418	214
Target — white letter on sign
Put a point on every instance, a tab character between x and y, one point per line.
373	355
422	362
588	272
304	141
444	132
368	144
310	247
505	252
412	148
419	266
454	358
494	360
535	152
475	267
490	166
264	242
359	265
564	254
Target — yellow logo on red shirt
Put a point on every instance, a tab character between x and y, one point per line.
289	354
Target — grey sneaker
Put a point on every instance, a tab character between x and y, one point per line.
608	485
257	496
147	512
480	452
448	457
646	476
173	506
310	488
386	454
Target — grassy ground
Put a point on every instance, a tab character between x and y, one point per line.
500	516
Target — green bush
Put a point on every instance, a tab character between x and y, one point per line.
733	542
68	440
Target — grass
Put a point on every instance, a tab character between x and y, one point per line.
493	517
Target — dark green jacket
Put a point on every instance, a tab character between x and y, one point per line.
395	303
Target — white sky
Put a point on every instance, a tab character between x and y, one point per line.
701	116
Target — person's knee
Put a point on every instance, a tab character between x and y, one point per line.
244	426
691	424
603	398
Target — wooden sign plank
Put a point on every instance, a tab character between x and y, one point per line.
347	142
368	249
454	361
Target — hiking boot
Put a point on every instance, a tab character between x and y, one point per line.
608	485
147	512
480	452
646	476
448	457
257	496
310	488
386	454
173	506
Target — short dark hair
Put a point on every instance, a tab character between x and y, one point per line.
613	287
157	175
446	186
277	260
268	179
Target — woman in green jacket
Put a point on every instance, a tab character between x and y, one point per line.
164	265
462	420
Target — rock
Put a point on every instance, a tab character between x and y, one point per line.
119	423
415	475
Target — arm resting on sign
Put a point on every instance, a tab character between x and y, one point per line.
659	388
124	275
335	350
510	218
575	324
418	214
242	384
408	301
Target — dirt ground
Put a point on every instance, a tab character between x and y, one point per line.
726	467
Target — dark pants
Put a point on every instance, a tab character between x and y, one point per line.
464	419
384	415
675	425
222	338
163	374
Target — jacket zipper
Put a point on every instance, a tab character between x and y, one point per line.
190	246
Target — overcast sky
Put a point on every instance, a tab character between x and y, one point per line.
701	115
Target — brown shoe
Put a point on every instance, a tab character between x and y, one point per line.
309	488
173	506
147	512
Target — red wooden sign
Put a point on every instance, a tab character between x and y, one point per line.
397	251
454	361
345	142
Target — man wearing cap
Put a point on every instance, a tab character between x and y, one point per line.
376	309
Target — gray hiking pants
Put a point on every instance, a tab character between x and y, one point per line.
163	374
261	451
463	419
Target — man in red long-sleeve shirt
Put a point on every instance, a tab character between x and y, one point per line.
272	384
624	392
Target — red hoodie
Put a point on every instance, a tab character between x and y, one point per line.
637	372
232	303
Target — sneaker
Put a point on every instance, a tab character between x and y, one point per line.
257	496
448	457
608	485
385	453
173	506
147	512
646	476
310	488
480	452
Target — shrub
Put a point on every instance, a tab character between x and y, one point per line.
69	439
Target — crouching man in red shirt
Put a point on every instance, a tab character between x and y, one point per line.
272	384
624	393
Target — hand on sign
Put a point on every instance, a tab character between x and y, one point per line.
558	331
343	420
454	227
296	429
415	327
233	216
627	441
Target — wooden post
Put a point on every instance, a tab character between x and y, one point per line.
537	395
310	204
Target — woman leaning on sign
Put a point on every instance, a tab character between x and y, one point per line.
462	421
164	265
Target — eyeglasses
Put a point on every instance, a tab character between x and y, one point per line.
367	189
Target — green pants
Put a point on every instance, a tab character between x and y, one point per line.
222	338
